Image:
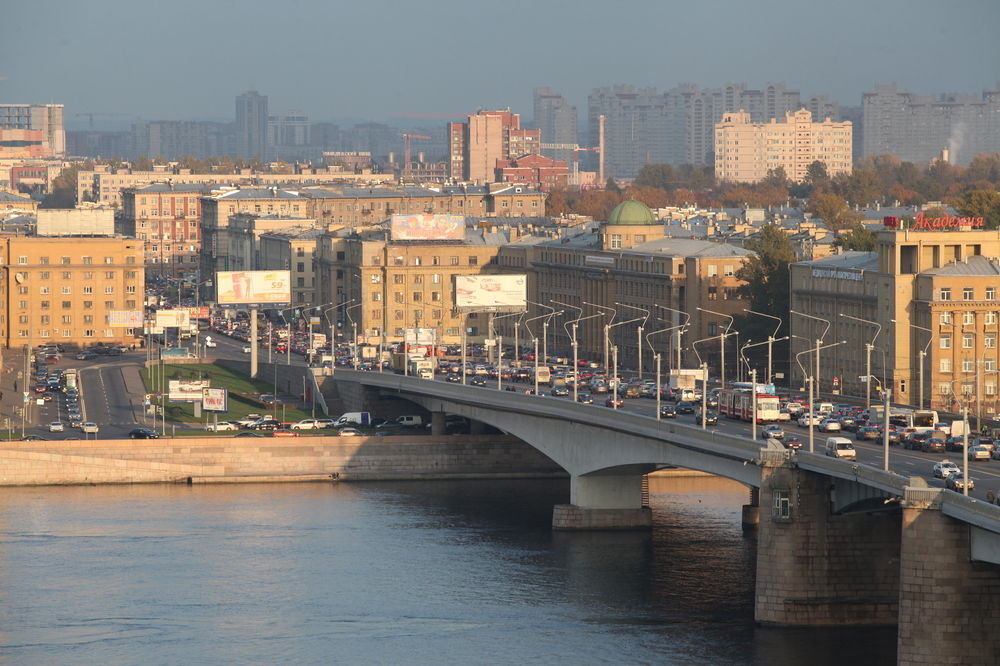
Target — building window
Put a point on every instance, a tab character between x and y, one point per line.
109	275
88	333
989	388
944	294
945	342
713	271
454	261
435	261
66	305
782	509
44	275
418	279
616	241
45	290
45	305
417	296
728	271
968	365
473	260
397	278
967	340
67	319
435	295
945	365
945	318
991	293
86	290
416	261
88	275
22	260
944	388
989	364
65	260
990	340
713	329
968	318
968	294
376	296
89	260
398	297
376	278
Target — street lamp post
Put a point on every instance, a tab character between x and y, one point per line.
354	339
576	347
607	328
545	328
923	357
638	332
656	355
769	342
680	330
819	342
770	339
868	355
722	344
811	381
499	339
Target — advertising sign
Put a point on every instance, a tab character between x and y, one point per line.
173	318
490	292
420	336
253	288
186	390
125	318
317	340
200	312
427	227
215	399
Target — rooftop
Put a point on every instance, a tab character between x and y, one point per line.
976	265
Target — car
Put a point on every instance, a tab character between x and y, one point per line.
453	377
306	424
246	350
933	445
33	438
284	432
559	391
75	420
612	402
478	380
349	432
668	412
222	426
804	420
957	482
265	424
987	442
792	442
979	453
143	433
685	407
585	398
89	427
86	356
248	434
48	397
945	468
829	425
868	433
248	420
772	431
56	426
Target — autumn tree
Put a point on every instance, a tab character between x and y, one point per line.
860	187
656	175
597	204
859	238
556	204
765	280
62	193
981	203
833	210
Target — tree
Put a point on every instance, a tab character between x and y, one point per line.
597	204
612	186
833	210
981	203
651	196
860	187
142	163
62	194
776	177
656	175
816	174
765	280
859	238
556	204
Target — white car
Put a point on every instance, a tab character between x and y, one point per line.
945	468
56	426
829	425
89	427
312	424
221	426
246	350
804	420
349	432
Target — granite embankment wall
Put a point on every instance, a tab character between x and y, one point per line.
350	458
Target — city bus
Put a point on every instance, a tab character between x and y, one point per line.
737	404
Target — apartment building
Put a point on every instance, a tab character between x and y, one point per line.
555	118
294	250
69	291
745	151
166	218
246	251
932	298
46	118
485	138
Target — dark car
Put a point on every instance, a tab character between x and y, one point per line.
711	417
478	380
868	433
685	407
933	445
559	391
611	402
668	412
792	442
915	440
265	424
143	433
453	377
955	443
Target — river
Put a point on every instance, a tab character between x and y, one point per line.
386	573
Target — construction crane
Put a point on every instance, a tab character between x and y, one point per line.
102	114
599	149
407	148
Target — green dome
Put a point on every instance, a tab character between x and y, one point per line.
632	212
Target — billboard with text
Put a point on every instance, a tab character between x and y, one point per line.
125	318
186	390
263	289
173	318
490	292
427	227
215	399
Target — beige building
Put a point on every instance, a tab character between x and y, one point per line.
167	219
486	137
746	151
245	230
294	250
64	290
940	287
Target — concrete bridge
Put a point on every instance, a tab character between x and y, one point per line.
839	543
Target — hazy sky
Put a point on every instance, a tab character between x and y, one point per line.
184	59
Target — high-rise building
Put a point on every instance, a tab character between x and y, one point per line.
635	128
917	128
556	119
251	125
47	118
173	139
486	138
288	137
745	151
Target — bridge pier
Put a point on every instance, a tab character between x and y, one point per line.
603	502
751	511
949	605
815	567
438	423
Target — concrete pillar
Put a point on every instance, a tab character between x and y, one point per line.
751	511
437	423
949	605
817	568
603	502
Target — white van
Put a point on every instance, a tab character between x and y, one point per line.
353	419
824	407
840	447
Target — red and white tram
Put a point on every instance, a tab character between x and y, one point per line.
737	404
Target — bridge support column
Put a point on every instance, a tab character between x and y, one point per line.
437	423
751	511
949	605
603	502
818	568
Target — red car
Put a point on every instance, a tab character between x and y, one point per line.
284	432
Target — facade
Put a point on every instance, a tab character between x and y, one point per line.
64	290
294	250
245	231
917	128
555	118
167	219
173	139
745	151
486	138
535	171
288	137
46	118
23	144
11	203
934	295
251	125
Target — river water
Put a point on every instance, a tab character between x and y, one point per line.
386	573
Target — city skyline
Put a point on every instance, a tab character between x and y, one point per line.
398	71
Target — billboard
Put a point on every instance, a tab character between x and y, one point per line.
420	336
253	288
186	390
427	227
215	399
125	319
490	292
173	318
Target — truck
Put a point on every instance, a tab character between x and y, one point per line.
416	365
353	419
684	380
70	378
